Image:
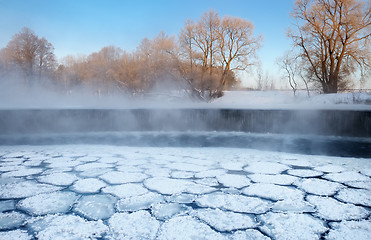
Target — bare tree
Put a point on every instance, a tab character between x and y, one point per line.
333	38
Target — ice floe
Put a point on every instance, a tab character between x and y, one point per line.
7	205
292	226
60	179
22	172
15	235
346	177
140	202
224	220
265	167
88	185
355	196
330	168
164	211
344	230
319	186
48	203
304	173
280	179
25	189
233	180
10	220
272	191
331	209
248	234
233	202
125	190
136	225
186	227
95	207
116	177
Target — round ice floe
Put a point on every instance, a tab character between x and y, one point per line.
272	191
48	203
319	186
140	202
158	172
248	234
90	166
94	207
233	180
181	198
330	168
346	177
164	211
175	186
236	166
304	173
186	227
7	205
344	230
355	196
69	227
25	189
15	235
212	182
91	173
11	220
233	202
60	179
292	226
137	225
87	159
331	209
360	184
224	220
116	177
280	179
125	190
210	173
88	185
182	174
22	172
266	167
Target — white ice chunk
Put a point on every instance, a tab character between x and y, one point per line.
186	227
48	203
345	230
175	186
293	205
224	220
137	225
25	189
248	234
70	227
187	167
7	205
233	180
11	220
266	167
292	226
125	190
90	166
280	179
346	177
234	166
355	196
158	172
235	203
182	174
212	182
331	209
319	186
135	203
164	211
305	173
330	168
366	171
210	173
360	184
116	177
181	198
88	185
15	235
91	173
272	191
297	162
94	207
60	179
22	172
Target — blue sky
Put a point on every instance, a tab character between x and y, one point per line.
85	26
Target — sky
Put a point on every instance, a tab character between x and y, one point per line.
84	26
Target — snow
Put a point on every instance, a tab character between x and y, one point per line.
15	235
25	189
272	191
344	230
88	185
319	186
125	190
292	226
331	209
95	207
233	180
186	227
248	234
164	211
137	225
281	179
47	203
60	179
343	177
224	220
116	177
11	220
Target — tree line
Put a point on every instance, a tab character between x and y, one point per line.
330	43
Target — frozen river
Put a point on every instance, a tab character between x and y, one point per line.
116	192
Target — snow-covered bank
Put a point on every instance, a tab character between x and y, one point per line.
114	192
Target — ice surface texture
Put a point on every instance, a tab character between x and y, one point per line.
108	192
